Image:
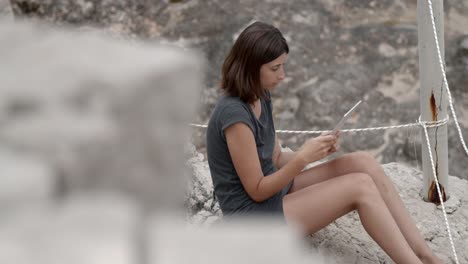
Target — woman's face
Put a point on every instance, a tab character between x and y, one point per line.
272	73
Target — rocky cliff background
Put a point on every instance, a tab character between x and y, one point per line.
341	51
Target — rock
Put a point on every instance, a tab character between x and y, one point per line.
287	108
386	50
85	228
451	205
464	44
346	241
464	50
5	10
25	179
175	243
105	113
122	18
200	197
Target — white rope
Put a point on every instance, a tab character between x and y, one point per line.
460	135
440	194
427	124
431	13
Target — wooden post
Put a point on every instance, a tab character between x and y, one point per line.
433	99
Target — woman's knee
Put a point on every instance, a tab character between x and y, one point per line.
363	158
363	162
363	180
365	187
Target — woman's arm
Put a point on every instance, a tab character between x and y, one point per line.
243	151
280	158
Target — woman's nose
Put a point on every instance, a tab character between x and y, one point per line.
281	75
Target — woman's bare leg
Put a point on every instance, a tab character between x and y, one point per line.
318	205
361	162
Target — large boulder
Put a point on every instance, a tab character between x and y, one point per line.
345	240
91	142
98	112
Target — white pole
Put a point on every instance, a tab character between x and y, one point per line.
433	99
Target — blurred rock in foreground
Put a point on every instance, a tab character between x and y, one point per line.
5	10
84	111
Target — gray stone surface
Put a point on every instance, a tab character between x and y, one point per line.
246	241
200	200
341	51
102	113
5	10
24	179
86	228
345	240
464	50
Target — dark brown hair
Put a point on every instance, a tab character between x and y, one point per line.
258	44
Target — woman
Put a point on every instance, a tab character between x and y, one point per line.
251	175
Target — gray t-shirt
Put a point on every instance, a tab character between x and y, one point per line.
232	197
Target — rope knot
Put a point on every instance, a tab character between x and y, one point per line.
436	123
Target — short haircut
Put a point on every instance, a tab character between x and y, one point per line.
258	44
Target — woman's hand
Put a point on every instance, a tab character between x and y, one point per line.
318	148
335	146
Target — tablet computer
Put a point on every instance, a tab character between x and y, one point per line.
344	118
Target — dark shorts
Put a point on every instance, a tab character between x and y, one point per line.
273	207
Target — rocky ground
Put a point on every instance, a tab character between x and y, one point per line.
341	51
